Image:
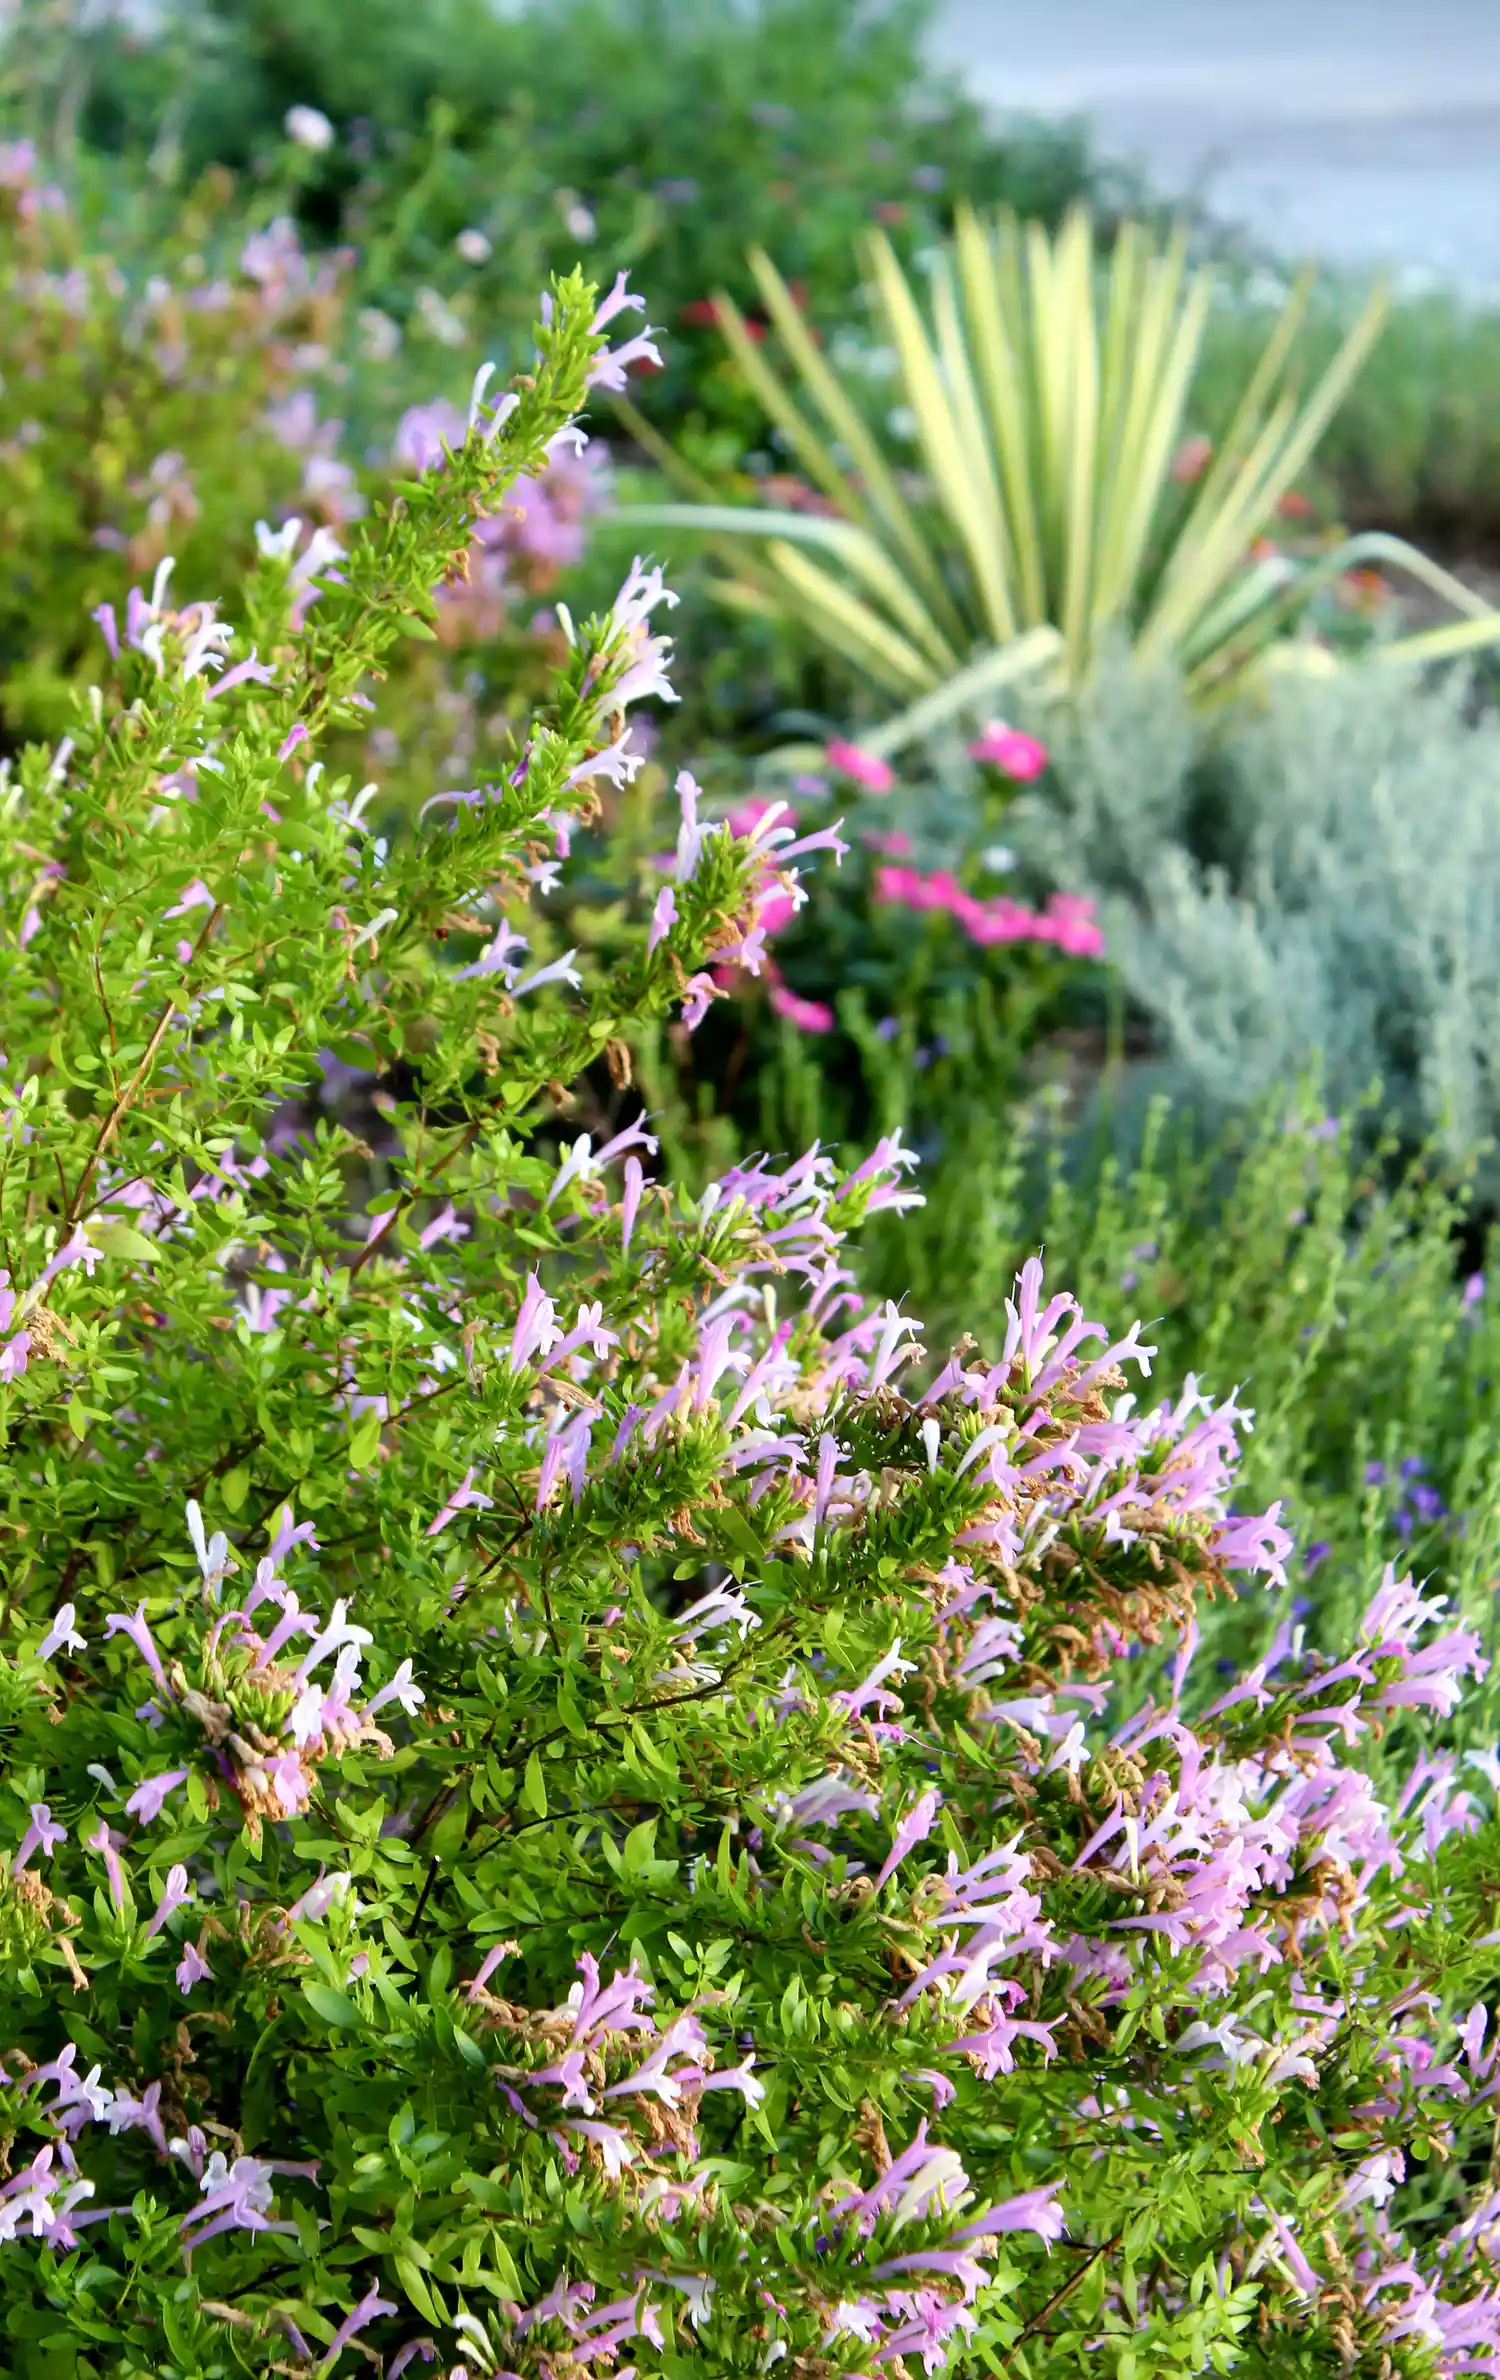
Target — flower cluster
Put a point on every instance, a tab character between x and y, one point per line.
1068	920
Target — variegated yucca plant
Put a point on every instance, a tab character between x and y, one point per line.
1047	390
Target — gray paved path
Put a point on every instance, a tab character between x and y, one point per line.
1362	130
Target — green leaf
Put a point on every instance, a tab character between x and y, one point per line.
334	2007
426	2300
534	1787
364	1443
114	1238
640	1847
450	1830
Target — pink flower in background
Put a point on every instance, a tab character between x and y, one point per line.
1192	459
904	888
746	817
809	1016
1075	926
862	767
1011	750
1069	920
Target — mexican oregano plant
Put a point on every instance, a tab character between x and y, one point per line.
572	1804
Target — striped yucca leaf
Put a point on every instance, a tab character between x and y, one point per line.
1048	391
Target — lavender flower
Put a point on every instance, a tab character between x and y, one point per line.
192	1968
147	1799
102	1841
914	1828
43	1835
136	1628
178	1890
62	1636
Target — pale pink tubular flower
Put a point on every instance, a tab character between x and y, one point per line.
1281	2240
635	1182
146	1801
193	896
608	368
118	1623
890	1354
319	1897
237	2197
690	831
447	1224
192	1968
371	2306
698	993
741	2078
401	1689
487	1966
618	2006
178	1890
249	670
43	1834
615	2147
536	1332
1034	2210
567	1452
914	1828
291	1532
409	2354
62	1636
102	1841
663	918
464	1496
628	635
78	1248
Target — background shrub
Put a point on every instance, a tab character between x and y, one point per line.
660	134
1314	878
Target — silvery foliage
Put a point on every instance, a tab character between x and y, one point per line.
1312	878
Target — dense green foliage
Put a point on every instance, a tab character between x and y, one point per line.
618	1756
1416	446
740	1924
660	134
157	395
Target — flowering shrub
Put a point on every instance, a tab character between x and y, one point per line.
155	396
883	970
469	143
572	1801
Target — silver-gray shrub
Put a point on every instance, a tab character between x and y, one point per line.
1314	877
